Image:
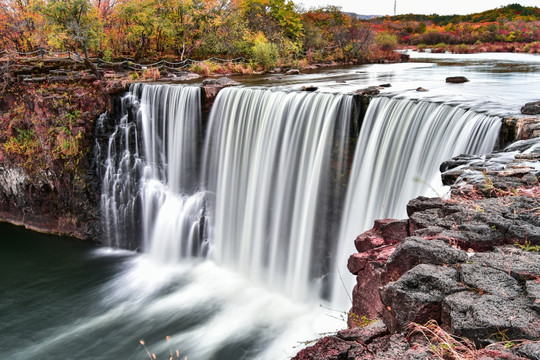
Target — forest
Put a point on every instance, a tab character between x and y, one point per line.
267	33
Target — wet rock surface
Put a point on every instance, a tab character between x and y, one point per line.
470	262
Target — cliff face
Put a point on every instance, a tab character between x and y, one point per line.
47	176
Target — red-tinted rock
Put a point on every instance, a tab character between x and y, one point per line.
328	348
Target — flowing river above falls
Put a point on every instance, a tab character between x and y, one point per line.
236	262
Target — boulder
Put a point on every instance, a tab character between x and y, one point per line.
328	348
456	79
372	90
531	350
532	288
309	88
293	72
365	334
485	318
521	265
487	280
417	296
531	108
415	251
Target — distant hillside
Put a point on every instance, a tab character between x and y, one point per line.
507	13
361	17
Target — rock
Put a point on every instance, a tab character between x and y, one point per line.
521	265
328	348
417	296
532	288
357	262
488	280
531	108
365	334
365	298
372	90
497	352
384	232
293	72
389	347
456	79
529	349
210	89
385	85
309	88
484	317
421	89
423	203
222	81
415	250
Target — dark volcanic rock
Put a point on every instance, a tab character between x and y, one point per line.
328	348
417	296
456	79
529	349
416	250
531	108
483	317
489	280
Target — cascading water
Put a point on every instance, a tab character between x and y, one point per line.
274	170
399	150
261	193
152	172
272	159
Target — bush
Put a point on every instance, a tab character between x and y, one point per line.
385	41
264	53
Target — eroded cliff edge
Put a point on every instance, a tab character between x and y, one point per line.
470	263
47	176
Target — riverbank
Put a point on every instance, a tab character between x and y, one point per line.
467	267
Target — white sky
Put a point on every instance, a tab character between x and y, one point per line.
441	7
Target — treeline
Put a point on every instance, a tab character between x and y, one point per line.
510	24
512	12
271	32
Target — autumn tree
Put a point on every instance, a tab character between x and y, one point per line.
73	25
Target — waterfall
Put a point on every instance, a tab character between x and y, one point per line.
151	179
272	159
265	188
400	148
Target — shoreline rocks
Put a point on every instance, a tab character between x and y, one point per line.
470	263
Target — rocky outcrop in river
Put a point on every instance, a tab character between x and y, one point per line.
468	266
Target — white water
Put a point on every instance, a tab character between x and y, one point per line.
269	155
400	147
261	196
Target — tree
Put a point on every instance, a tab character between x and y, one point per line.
74	25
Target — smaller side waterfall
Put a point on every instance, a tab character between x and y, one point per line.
151	177
400	148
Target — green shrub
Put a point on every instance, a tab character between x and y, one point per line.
264	53
385	41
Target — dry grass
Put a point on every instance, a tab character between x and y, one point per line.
443	344
446	346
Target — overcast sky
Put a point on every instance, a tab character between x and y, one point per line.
441	7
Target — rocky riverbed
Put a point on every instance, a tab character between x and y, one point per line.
467	266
